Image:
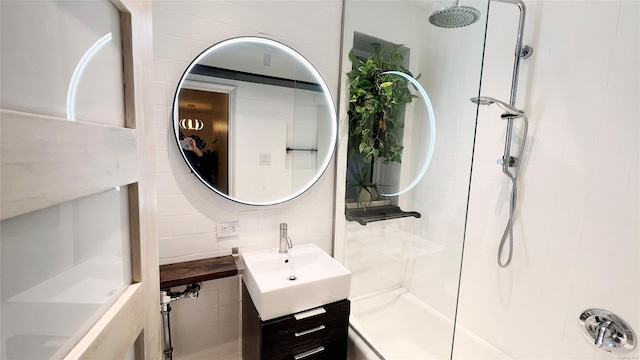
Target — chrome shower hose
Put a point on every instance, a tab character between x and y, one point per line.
508	231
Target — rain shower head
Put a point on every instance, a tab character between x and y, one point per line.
485	100
454	16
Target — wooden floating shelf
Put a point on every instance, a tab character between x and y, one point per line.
190	272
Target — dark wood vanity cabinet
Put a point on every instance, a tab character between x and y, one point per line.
318	337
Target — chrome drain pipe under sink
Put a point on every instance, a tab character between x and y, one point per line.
192	291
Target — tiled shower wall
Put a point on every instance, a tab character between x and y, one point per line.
375	256
187	211
208	327
576	240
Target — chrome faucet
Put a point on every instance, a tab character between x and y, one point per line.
285	240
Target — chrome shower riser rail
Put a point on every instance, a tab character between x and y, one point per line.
519	50
520	53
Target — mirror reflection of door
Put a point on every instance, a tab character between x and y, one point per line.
206	120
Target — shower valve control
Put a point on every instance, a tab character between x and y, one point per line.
513	161
607	331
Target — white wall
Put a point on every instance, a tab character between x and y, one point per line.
576	238
187	210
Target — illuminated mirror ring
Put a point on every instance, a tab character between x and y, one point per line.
326	125
432	138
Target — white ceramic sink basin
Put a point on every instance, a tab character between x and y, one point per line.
305	278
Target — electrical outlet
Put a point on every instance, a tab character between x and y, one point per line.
227	229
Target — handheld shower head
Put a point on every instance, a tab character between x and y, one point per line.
485	100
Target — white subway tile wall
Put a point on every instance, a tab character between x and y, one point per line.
208	327
579	199
188	211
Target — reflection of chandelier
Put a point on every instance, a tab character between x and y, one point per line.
191	124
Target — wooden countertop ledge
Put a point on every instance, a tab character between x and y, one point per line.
189	272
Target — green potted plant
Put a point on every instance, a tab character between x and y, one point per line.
375	125
375	101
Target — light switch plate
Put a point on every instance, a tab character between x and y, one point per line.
265	159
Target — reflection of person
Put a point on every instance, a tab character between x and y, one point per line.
193	147
204	162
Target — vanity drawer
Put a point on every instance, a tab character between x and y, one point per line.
285	337
335	350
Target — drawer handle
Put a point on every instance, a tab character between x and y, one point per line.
310	331
309	313
309	353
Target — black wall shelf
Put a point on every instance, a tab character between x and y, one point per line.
378	213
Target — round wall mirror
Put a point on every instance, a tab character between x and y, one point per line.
254	121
